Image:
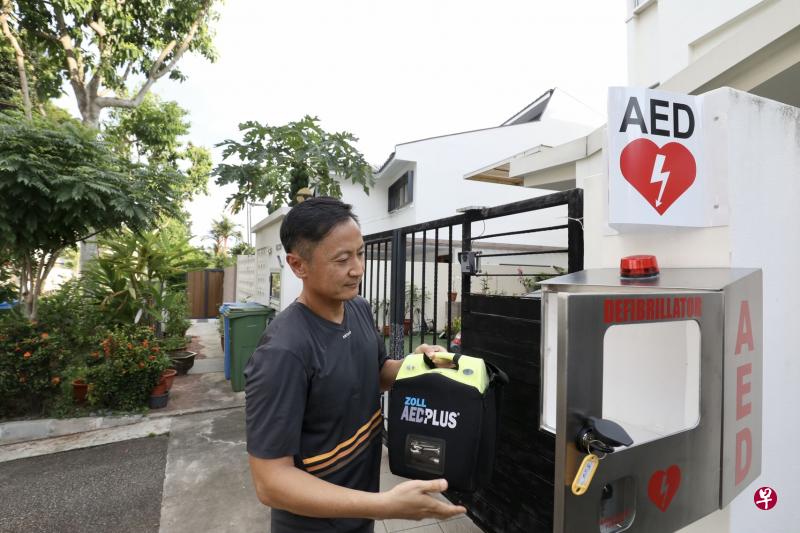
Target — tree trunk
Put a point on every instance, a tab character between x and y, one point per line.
90	114
34	275
20	55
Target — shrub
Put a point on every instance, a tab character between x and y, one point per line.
71	313
177	308
32	362
124	367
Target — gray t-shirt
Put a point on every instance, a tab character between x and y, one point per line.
313	392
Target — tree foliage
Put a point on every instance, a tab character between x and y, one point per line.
151	134
136	274
277	161
221	231
111	52
58	186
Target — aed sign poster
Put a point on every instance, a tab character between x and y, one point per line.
657	174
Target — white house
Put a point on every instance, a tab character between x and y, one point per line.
422	181
752	136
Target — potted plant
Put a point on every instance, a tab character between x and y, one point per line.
80	388
125	369
164	383
180	358
384	307
412	317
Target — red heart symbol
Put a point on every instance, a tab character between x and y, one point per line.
663	486
661	175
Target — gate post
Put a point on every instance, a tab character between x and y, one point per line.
398	292
575	230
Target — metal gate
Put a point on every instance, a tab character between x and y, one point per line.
402	264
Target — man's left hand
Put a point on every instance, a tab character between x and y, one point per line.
430	351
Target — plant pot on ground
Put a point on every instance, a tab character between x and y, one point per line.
169	377
79	390
182	361
159	401
164	382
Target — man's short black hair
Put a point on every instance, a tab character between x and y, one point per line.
309	222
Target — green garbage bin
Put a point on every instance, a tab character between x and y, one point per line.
246	324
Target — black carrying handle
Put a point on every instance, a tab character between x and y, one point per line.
430	364
498	376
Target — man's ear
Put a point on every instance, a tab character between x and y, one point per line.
298	265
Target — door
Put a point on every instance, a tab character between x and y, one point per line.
651	364
214	289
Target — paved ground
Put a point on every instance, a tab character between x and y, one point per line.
111	488
207	485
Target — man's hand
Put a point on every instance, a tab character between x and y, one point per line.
414	500
430	351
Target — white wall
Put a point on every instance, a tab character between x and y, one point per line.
755	144
268	249
666	37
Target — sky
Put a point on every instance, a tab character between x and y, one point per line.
392	71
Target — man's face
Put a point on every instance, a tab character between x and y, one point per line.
336	264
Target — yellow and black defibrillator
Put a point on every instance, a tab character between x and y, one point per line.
443	421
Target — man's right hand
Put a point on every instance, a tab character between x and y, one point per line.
414	500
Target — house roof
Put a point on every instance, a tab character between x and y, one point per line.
538	164
532	111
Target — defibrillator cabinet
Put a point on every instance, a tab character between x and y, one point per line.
661	380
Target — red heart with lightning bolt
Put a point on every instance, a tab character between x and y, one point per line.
663	486
661	175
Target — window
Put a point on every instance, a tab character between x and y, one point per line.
274	285
401	192
651	378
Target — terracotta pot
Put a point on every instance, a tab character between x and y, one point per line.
79	390
161	388
452	296
169	376
387	330
406	326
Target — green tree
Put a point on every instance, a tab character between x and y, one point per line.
242	248
137	273
111	52
221	231
151	134
60	185
278	161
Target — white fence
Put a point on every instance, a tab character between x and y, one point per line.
245	278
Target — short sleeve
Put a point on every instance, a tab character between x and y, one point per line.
276	385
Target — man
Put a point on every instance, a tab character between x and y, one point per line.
313	391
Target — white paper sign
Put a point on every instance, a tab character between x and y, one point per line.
656	171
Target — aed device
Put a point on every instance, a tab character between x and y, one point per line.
443	421
652	384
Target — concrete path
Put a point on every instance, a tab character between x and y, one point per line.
207	486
